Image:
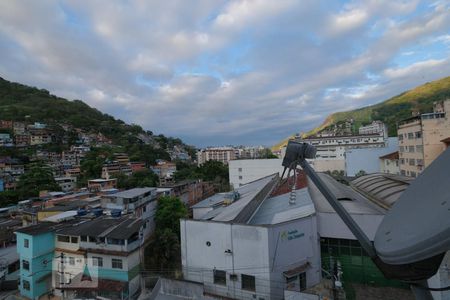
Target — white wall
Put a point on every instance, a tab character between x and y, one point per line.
261	251
367	159
243	171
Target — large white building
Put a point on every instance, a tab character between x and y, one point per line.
331	149
244	249
376	127
222	154
243	171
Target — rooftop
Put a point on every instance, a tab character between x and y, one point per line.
278	209
352	201
116	228
393	155
383	189
251	194
133	192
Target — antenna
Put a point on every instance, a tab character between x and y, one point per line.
405	248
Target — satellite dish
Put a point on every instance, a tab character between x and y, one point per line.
418	226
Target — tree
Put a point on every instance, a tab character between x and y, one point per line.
144	178
164	253
38	177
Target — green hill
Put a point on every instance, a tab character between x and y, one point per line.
19	102
391	110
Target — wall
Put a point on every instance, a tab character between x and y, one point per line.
389	166
293	244
367	159
39	254
252	169
323	165
261	251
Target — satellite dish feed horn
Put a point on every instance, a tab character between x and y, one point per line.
413	237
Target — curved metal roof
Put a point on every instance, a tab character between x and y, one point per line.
383	189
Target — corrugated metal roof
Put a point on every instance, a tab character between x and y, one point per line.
353	202
383	189
278	209
247	193
132	192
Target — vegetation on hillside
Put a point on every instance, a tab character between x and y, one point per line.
214	171
391	111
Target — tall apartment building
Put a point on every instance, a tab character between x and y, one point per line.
422	139
222	154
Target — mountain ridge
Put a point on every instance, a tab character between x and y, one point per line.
389	111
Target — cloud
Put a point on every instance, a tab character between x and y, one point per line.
224	72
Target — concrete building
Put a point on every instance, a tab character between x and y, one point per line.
376	127
389	163
222	154
67	184
81	258
139	202
331	149
246	244
164	170
243	171
420	139
367	159
107	251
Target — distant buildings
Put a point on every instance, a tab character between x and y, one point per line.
422	138
164	170
222	154
376	127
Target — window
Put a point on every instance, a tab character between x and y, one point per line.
412	162
92	239
25	264
26	243
411	148
63	238
240	177
74	240
413	174
248	282
419	148
297	282
97	261
302	281
410	136
83	238
240	169
26	285
220	277
116	263
402	149
71	261
418	134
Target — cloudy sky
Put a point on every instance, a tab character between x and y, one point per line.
225	72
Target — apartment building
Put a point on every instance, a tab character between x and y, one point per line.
376	127
81	258
421	139
67	184
222	154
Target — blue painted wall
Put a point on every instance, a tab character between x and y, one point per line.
39	254
1	185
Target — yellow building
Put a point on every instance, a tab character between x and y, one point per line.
421	139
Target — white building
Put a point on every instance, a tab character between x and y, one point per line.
367	159
243	171
244	249
389	163
376	127
331	149
222	154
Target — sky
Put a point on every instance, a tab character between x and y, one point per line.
214	72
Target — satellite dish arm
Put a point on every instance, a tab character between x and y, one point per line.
366	244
